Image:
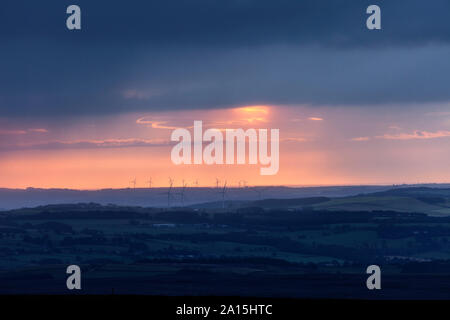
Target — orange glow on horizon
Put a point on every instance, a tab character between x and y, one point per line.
347	148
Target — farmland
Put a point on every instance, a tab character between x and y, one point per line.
297	252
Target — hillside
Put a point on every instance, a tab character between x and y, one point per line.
431	201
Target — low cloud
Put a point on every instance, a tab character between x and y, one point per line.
361	139
12	132
416	135
20	131
159	124
294	139
38	130
89	144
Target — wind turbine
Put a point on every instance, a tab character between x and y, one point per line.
223	191
217	183
134	183
169	191
183	189
149	183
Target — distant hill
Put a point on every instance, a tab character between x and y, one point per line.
433	201
157	197
291	203
424	192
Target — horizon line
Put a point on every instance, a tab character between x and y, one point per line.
237	187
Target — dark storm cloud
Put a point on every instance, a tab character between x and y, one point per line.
159	55
230	22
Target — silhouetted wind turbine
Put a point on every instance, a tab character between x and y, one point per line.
183	189
134	183
222	192
217	183
149	183
169	191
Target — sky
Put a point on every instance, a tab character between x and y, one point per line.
95	108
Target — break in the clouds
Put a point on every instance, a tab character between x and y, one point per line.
140	56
